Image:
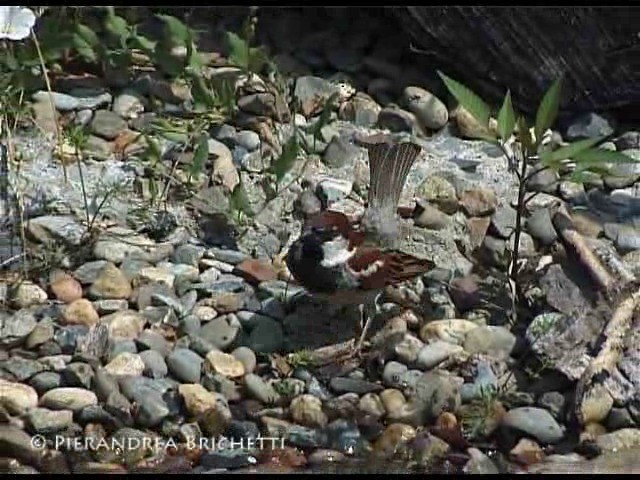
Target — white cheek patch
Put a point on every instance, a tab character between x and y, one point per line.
336	252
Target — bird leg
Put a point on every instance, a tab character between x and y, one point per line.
367	313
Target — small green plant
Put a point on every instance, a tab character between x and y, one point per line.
521	142
301	358
241	53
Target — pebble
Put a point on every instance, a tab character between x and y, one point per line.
78	374
43	421
259	389
495	341
353	385
407	349
126	324
554	403
267	336
247	357
185	365
22	368
45	381
124	364
479	463
452	331
61	101
431	218
393	437
41	334
396	119
371	404
435	353
362	110
312	93
129	104
111	283
392	374
307	410
154	341
438	393
80	312
68	398
440	192
589	125
66	289
17	398
28	294
154	364
219	332
534	421
107	124
428	109
478	202
340	152
225	364
540	226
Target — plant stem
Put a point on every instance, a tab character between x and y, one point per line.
522	190
53	107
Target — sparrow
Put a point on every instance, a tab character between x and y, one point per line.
351	263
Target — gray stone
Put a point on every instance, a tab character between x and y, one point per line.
353	385
429	110
22	368
78	374
185	365
267	336
541	228
154	364
154	341
220	332
534	421
554	403
340	152
397	120
46	381
68	398
492	340
437	392
312	93
589	125
259	389
435	353
107	124
14	328
43	420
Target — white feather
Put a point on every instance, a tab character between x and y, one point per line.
336	252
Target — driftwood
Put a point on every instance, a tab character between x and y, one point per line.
592	399
525	49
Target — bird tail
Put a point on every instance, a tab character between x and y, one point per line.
389	165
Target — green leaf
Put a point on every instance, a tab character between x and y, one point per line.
569	151
202	96
239	200
548	109
177	31
596	156
84	48
584	176
325	116
117	26
199	156
238	51
506	118
468	99
143	43
285	161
